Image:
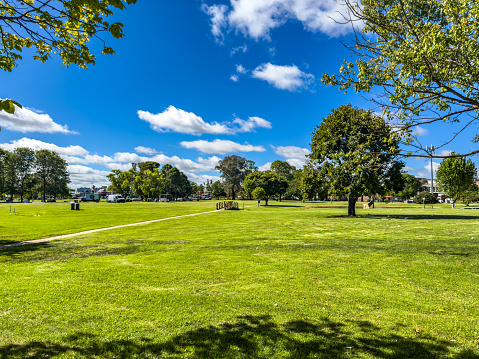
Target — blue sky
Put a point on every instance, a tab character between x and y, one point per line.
190	83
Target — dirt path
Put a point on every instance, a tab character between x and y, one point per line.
42	240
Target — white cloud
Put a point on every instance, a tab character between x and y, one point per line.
444	152
119	166
265	167
31	120
240	69
221	147
218	19
211	162
177	120
146	150
420	131
242	49
40	145
201	178
295	156
256	18
85	176
283	77
129	157
251	123
81	175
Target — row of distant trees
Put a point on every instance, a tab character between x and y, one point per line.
354	152
150	180
26	173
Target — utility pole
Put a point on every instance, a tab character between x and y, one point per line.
430	149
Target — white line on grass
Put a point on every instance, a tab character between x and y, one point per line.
42	240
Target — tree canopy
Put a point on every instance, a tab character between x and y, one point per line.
456	175
411	186
420	55
356	151
62	27
272	183
233	170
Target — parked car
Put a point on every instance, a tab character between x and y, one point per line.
115	198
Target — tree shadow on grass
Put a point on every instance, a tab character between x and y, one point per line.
62	251
252	337
408	216
274	205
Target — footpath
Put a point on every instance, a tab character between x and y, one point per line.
42	240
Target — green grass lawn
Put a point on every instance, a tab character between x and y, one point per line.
41	220
283	281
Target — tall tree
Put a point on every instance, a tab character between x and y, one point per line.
233	170
285	170
10	175
313	182
24	162
63	27
272	183
411	186
419	57
122	181
50	168
456	175
356	150
149	184
3	165
217	189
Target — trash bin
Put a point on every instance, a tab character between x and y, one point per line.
77	206
72	204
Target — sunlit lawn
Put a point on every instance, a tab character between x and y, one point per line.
283	281
41	220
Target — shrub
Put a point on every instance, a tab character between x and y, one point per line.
425	197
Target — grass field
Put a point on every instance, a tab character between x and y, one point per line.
41	220
283	281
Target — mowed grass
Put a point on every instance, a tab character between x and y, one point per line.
283	281
41	220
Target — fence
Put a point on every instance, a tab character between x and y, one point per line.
227	205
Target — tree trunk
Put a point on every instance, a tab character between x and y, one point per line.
233	193
453	204
21	193
266	201
44	185
352	206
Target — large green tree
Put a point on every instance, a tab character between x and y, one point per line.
456	175
419	57
272	183
62	27
357	152
3	165
411	186
122	181
51	170
233	170
149	183
24	162
285	170
312	182
217	190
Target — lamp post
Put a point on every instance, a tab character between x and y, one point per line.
430	150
